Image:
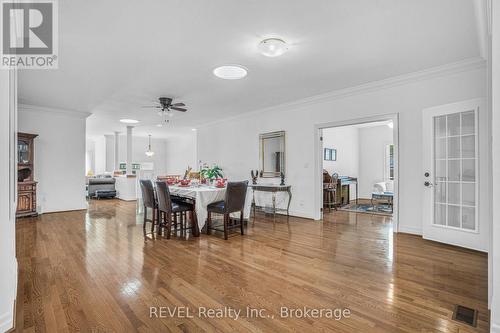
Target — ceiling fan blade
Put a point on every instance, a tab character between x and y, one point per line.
150	106
178	104
178	109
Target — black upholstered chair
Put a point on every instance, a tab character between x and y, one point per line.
169	209
148	199
234	202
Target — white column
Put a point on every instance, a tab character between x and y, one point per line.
129	150
116	152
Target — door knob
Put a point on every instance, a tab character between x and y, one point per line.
428	184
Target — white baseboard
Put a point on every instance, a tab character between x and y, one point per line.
7	320
495	328
300	214
294	214
410	230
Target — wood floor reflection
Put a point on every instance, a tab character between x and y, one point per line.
93	271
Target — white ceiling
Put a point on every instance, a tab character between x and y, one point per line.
116	56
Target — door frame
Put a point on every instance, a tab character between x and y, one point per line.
318	160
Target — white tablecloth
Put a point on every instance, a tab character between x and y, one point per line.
205	195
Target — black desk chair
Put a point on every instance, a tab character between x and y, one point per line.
234	202
168	209
148	199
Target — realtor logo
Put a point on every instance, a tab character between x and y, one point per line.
29	34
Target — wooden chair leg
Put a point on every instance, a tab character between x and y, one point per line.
241	223
161	220
156	219
209	222
145	219
175	222
226	217
169	224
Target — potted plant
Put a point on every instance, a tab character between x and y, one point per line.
211	173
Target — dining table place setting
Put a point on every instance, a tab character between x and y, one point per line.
204	192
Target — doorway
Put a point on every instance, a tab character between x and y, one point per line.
357	167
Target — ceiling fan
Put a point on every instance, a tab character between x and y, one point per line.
165	104
166	107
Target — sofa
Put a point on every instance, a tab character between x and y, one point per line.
101	188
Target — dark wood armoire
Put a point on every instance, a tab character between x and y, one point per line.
26	186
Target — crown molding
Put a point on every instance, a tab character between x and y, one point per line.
67	113
465	65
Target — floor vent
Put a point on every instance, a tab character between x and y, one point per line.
465	315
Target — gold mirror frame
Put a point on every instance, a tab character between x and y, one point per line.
262	137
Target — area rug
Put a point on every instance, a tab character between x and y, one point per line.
381	209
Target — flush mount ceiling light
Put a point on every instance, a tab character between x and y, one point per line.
273	47
129	121
230	72
149	152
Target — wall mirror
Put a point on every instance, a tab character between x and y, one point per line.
272	154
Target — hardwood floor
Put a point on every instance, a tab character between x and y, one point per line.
93	271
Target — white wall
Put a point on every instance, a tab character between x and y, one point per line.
99	155
139	147
346	141
110	152
181	153
90	156
495	261
233	143
59	156
8	262
172	155
360	153
372	146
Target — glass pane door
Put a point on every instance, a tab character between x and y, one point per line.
455	170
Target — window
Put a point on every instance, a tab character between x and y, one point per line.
330	154
389	162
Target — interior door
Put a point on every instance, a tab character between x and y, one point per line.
453	204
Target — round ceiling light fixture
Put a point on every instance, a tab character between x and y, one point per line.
129	121
230	72
273	47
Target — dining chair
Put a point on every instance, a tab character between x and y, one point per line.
148	199
169	209
330	190
234	202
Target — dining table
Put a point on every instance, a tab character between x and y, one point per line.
203	195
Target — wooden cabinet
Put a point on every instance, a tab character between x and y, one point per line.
26	186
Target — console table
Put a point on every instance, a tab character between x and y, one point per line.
273	189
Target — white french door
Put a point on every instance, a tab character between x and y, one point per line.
453	135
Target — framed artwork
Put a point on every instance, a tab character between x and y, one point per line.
330	154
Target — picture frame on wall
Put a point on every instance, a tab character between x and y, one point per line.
330	154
